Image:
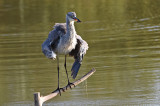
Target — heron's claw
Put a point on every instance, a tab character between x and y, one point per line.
70	84
58	89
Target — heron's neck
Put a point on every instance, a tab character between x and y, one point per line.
70	29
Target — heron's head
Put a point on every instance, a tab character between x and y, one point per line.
72	17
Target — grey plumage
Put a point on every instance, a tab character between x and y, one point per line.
63	39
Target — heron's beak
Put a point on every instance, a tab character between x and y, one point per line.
76	19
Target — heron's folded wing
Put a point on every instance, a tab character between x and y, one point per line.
78	53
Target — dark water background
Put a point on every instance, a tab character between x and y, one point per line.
124	41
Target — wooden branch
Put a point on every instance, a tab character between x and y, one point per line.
39	100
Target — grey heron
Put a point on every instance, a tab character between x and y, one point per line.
63	40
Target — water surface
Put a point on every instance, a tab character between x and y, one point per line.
124	42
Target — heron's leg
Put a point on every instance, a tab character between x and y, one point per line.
59	89
65	65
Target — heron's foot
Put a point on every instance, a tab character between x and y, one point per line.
59	90
70	84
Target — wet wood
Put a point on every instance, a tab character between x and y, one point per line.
39	100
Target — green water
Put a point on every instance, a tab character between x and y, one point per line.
124	41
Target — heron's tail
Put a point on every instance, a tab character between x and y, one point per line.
75	69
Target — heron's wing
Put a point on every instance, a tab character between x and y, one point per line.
51	42
78	53
59	31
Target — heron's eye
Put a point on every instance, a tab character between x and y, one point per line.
72	16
